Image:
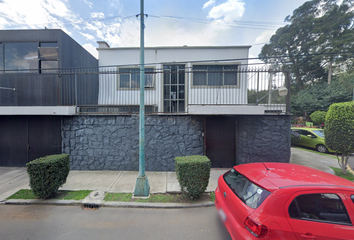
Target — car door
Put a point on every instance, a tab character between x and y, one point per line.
319	215
307	139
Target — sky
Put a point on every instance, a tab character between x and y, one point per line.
168	22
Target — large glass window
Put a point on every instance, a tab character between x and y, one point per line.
248	192
325	207
21	57
215	75
130	78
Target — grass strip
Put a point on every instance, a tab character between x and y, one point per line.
339	173
61	195
120	197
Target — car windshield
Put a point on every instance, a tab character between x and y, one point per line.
249	193
318	133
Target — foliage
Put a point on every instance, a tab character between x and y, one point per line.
47	174
317	32
338	172
193	174
23	194
318	117
320	96
339	131
121	197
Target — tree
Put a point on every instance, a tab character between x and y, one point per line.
339	131
318	117
320	96
318	32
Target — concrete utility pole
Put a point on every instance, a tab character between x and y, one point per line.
142	186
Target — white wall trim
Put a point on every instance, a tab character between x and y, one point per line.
52	110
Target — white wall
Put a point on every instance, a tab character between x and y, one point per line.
156	57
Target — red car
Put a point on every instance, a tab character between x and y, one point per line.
285	201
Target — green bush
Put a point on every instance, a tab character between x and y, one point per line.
339	131
48	174
193	174
318	117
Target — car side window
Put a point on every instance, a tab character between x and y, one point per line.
323	207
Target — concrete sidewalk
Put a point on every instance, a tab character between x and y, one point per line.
14	179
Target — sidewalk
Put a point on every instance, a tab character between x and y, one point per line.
14	179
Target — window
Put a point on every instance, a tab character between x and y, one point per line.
48	57
215	75
248	192
21	57
29	57
130	78
1	58
325	207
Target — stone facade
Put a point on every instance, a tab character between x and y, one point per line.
112	142
263	138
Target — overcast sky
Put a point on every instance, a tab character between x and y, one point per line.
169	22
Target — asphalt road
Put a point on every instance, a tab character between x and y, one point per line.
36	222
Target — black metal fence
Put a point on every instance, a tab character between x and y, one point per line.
168	88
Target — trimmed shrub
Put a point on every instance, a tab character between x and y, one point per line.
339	131
318	117
48	174
193	174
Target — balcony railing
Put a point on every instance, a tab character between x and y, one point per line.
168	88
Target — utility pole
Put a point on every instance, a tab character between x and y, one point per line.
142	186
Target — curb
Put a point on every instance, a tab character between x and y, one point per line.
107	204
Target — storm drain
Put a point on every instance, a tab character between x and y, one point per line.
94	200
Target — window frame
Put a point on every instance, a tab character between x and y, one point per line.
148	87
300	218
207	72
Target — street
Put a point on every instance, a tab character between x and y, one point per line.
36	222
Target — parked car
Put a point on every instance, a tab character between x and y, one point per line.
285	201
312	138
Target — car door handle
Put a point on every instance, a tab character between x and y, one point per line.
308	236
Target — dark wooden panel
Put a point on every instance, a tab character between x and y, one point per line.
13	141
221	141
44	134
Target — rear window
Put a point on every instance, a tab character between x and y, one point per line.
248	192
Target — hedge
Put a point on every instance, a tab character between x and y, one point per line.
193	174
48	174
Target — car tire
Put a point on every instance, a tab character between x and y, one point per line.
321	148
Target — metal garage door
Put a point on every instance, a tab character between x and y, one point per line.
24	138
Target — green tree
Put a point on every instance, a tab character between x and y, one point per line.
318	117
320	96
317	32
339	131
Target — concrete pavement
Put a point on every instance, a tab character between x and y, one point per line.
14	179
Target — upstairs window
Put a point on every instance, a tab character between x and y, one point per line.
215	75
129	78
21	57
29	57
48	57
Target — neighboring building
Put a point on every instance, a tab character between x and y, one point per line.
33	97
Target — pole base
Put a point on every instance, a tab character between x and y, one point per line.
142	187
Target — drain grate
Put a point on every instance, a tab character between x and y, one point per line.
94	200
88	206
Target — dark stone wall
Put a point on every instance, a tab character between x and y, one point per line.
263	138
112	142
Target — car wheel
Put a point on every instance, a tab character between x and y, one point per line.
321	148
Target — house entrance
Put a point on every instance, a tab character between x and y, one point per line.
25	138
220	141
174	88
